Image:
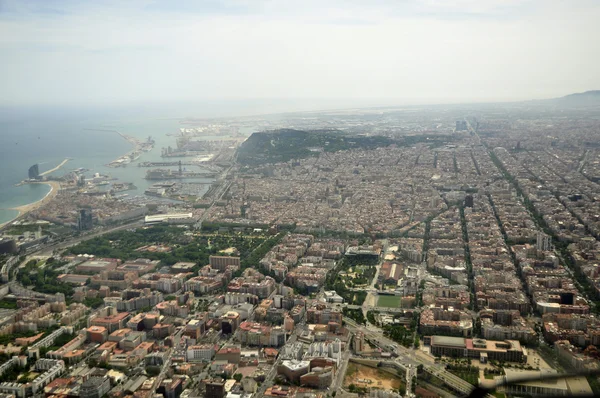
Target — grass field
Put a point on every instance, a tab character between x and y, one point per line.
389	301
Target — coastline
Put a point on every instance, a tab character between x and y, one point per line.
24	209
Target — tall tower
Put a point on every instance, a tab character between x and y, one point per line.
85	220
543	242
34	172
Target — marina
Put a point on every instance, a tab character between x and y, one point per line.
167	174
139	147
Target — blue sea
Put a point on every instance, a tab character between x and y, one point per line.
47	136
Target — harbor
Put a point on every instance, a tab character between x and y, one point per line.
168	174
61	164
139	147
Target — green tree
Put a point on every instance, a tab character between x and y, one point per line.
153	371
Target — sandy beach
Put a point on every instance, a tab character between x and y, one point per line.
23	210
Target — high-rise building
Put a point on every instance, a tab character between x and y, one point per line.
34	172
469	201
461	125
222	262
215	388
8	246
544	242
230	322
85	221
359	342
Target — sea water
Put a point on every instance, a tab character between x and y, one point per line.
46	137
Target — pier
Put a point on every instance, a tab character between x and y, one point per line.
158	164
61	164
176	176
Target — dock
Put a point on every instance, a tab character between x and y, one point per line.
155	164
61	164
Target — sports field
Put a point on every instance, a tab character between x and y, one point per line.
389	301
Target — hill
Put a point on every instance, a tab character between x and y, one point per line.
591	97
287	144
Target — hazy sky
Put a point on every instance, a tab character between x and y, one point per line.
98	52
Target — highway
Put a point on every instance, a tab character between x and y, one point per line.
407	357
49	249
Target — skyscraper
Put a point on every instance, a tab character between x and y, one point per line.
543	242
84	221
469	201
34	172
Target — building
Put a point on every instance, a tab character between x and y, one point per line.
469	201
230	354
195	328
171	388
47	369
293	369
8	246
204	352
95	387
322	372
461	125
111	322
332	297
179	218
543	242
222	262
156	359
34	172
202	284
132	340
97	334
450	322
555	387
230	322
162	330
97	265
182	267
321	314
256	334
261	289
85	220
324	350
249	385
214	388
119	335
141	266
573	356
504	351
358	342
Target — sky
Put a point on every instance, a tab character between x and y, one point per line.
66	52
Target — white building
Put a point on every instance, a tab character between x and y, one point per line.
332	297
331	350
200	352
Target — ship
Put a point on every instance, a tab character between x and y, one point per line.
122	186
160	189
155	191
161	174
123	161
